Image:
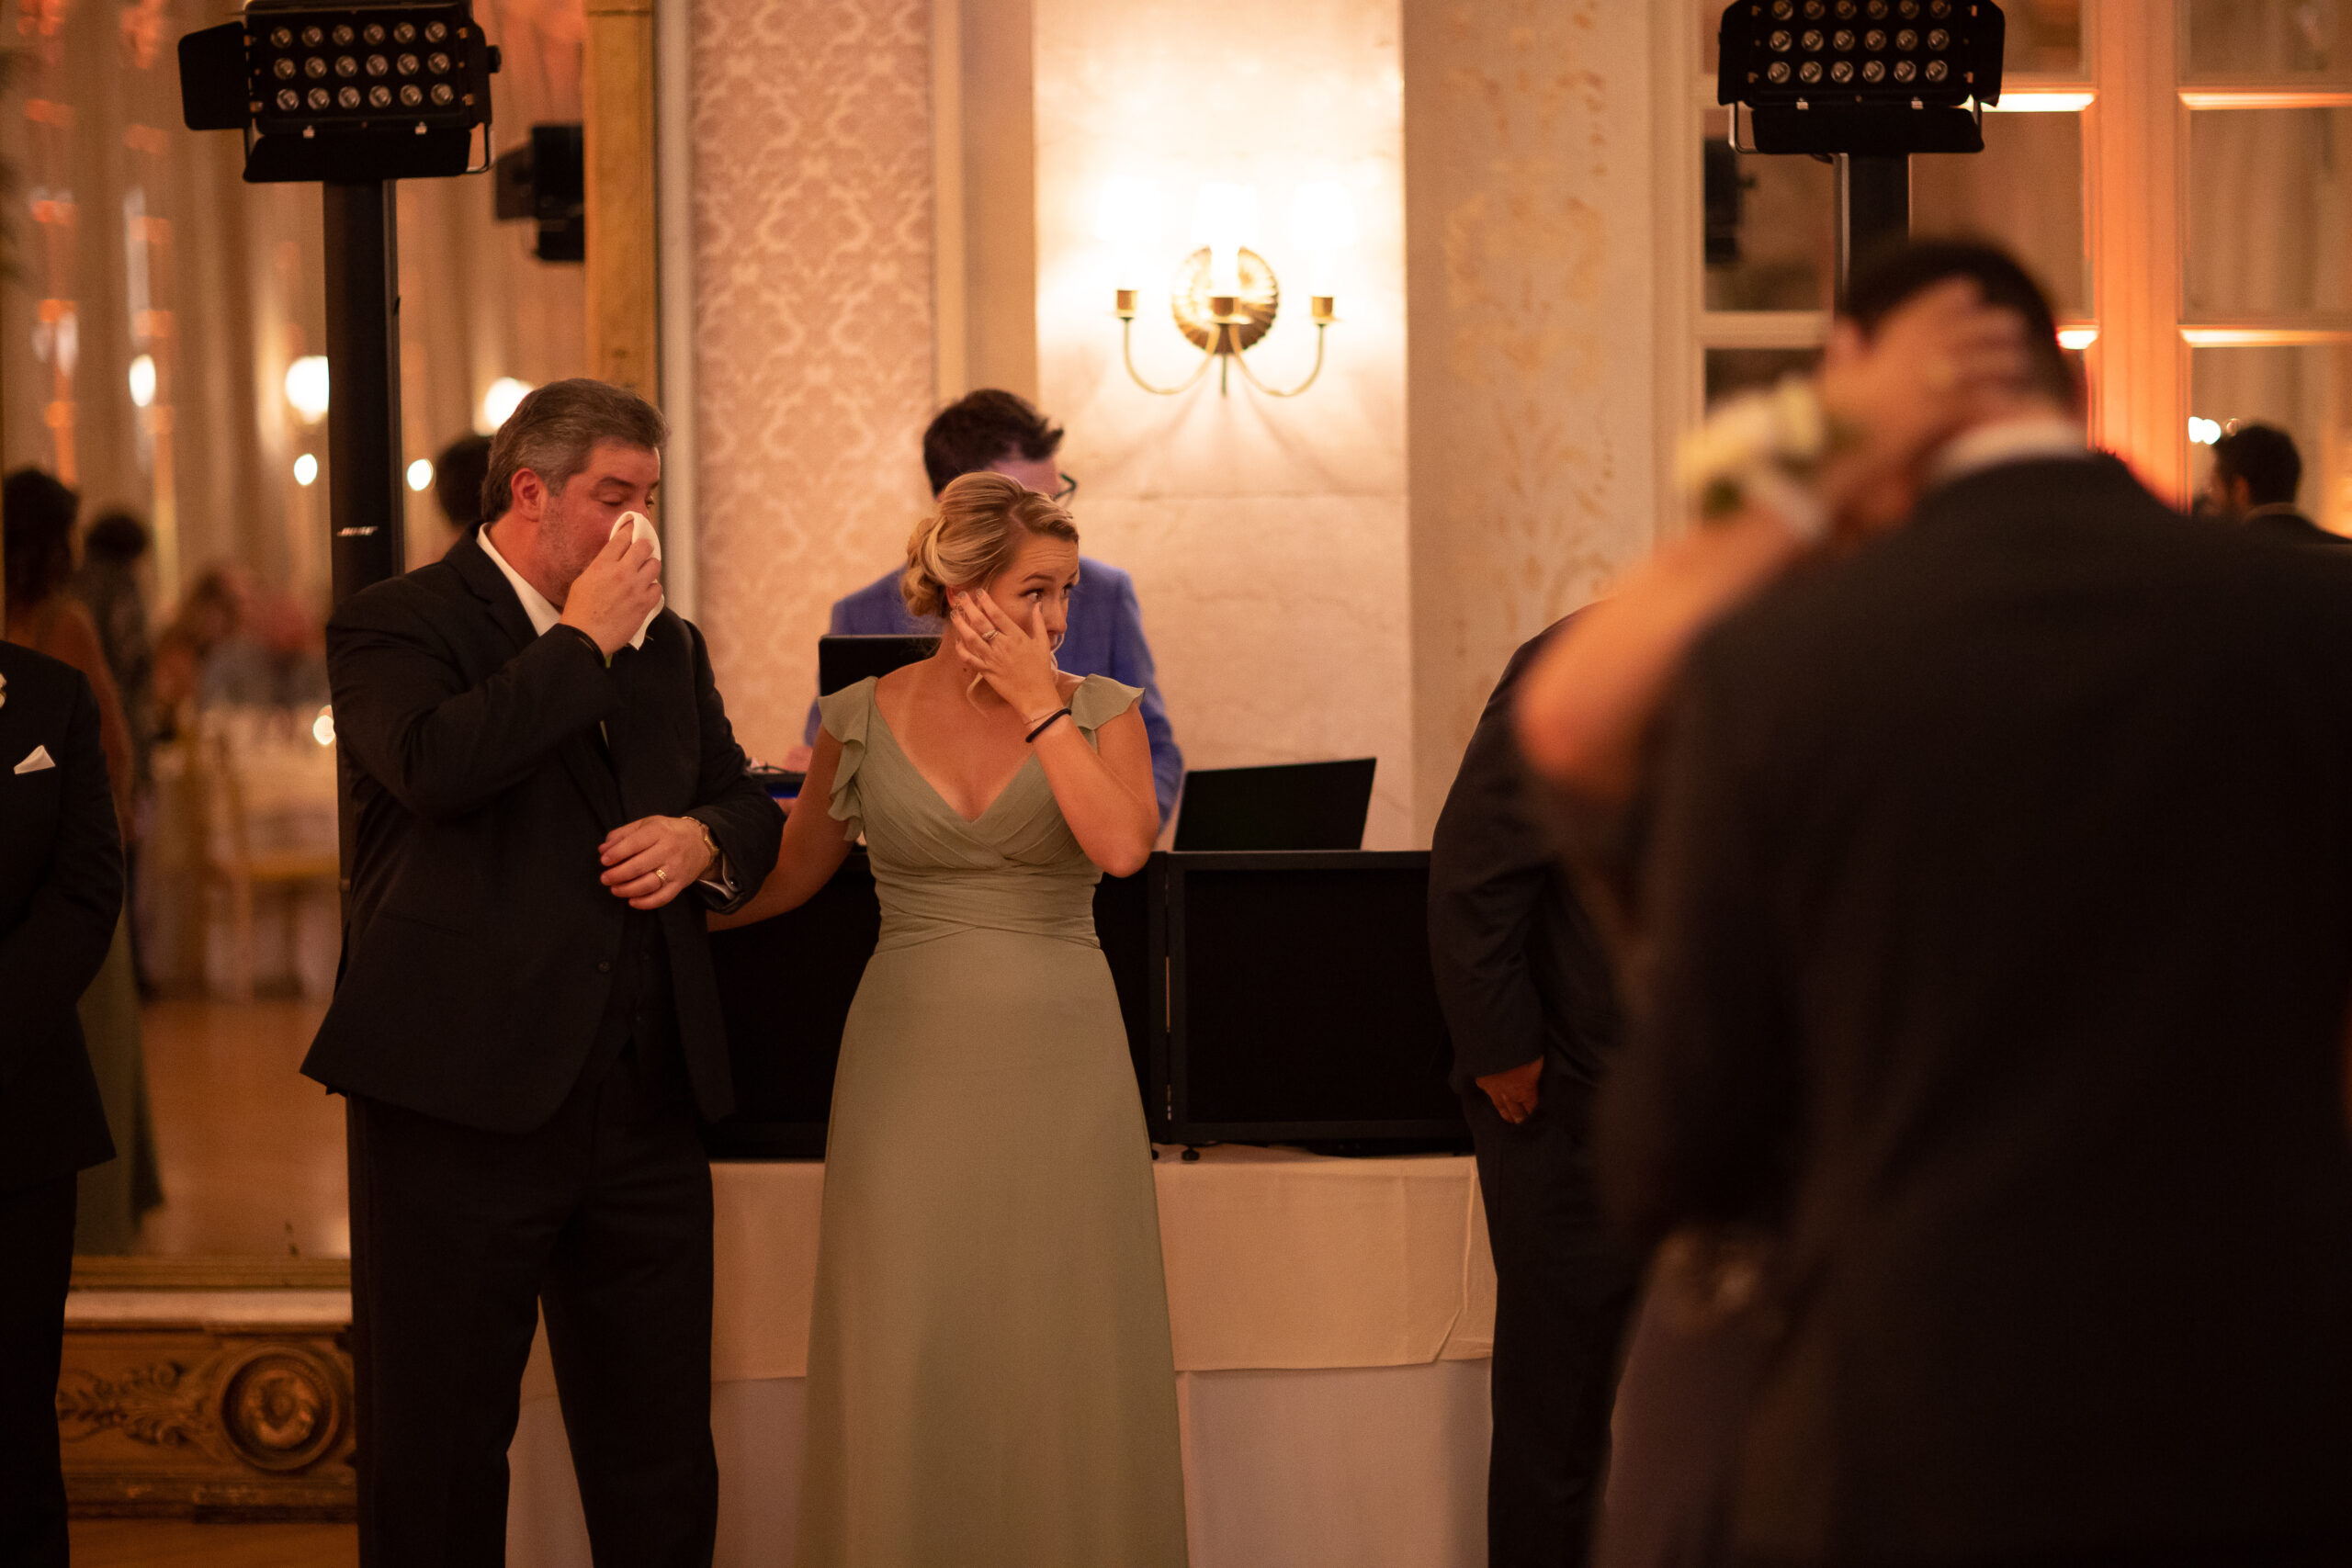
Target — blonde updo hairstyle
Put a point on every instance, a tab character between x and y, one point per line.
973	533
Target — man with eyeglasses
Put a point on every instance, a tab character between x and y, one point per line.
999	432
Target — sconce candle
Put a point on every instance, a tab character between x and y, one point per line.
1224	296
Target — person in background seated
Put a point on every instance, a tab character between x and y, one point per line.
458	476
2257	472
998	431
1523	977
61	898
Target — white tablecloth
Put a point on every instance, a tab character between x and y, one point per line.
1331	1319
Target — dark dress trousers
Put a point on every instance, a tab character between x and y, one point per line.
61	890
526	1059
1999	939
1521	973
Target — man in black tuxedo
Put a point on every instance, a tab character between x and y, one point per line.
1999	943
2256	472
1524	981
549	797
61	890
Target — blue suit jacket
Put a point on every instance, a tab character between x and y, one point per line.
1105	637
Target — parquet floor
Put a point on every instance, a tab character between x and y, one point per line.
252	1151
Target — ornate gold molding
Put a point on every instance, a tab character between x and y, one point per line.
179	1414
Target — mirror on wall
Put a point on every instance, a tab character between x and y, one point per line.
164	355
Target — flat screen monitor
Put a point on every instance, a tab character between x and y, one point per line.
846	660
1300	1003
1290	805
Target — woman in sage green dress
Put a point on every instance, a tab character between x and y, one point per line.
989	1379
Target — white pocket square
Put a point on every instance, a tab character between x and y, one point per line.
38	759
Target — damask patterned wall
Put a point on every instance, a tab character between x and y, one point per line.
1531	247
812	258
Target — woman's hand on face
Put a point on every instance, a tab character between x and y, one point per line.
1017	661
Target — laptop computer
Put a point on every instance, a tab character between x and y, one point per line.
1290	805
846	660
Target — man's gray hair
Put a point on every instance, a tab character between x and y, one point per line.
553	431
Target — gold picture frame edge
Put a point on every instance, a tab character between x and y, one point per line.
211	1273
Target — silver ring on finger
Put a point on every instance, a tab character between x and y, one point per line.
991	635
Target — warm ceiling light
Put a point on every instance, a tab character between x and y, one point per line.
306	386
306	470
2025	100
2077	338
419	474
498	403
142	381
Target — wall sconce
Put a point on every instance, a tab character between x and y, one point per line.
1224	296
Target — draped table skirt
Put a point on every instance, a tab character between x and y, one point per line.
1332	1322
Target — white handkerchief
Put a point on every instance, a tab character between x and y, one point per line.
38	759
644	527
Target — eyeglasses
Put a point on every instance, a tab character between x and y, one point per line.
1068	490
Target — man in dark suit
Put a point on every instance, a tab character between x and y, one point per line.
61	890
549	797
1525	985
1999	945
2256	472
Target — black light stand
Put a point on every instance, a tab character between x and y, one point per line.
354	97
364	412
1873	207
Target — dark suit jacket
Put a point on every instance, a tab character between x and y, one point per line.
2000	912
60	893
2286	523
479	946
1521	971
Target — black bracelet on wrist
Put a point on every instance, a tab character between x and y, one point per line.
1050	718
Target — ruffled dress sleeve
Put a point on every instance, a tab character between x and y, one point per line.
845	715
1099	700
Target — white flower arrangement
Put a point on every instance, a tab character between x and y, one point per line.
1760	447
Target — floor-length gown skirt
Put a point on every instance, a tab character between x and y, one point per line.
989	1382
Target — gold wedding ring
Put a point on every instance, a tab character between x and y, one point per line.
662	876
991	635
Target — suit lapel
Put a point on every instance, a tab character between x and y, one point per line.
581	753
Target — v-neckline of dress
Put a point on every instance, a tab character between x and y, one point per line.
874	698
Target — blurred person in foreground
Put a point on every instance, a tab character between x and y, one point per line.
61	902
1994	953
2256	473
1524	978
45	615
995	432
526	1029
